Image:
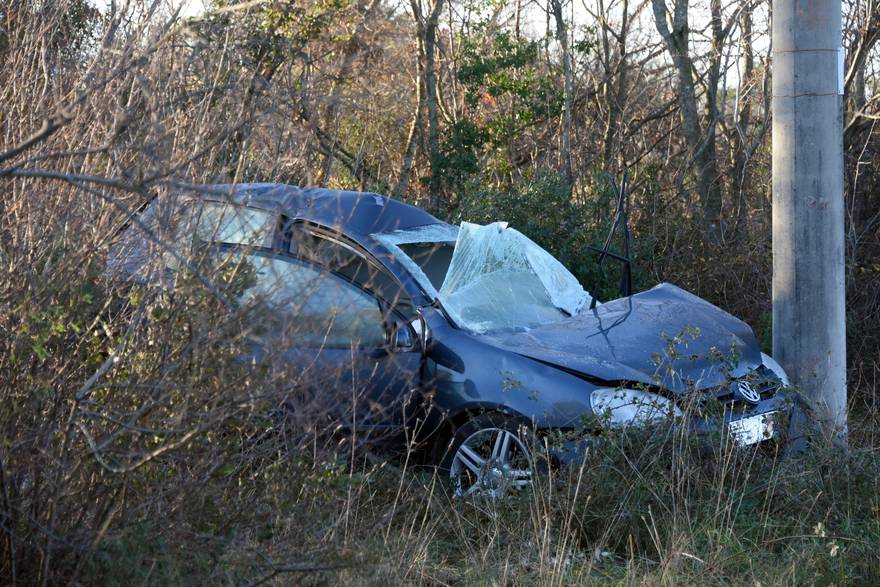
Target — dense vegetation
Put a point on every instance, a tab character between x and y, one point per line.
134	451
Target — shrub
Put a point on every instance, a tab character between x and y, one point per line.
540	206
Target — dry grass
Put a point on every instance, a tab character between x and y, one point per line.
134	451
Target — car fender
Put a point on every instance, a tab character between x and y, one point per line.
465	374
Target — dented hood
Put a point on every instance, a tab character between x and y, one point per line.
664	336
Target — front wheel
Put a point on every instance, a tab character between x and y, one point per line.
489	456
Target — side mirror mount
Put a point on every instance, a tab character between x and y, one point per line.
402	338
409	336
420	326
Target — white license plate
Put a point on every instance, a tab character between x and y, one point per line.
754	429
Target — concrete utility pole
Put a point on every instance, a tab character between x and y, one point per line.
808	241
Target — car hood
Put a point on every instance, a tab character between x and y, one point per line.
664	336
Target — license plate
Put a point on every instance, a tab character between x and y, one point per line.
753	429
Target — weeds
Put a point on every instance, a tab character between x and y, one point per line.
169	468
135	448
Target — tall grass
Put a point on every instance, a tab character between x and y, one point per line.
134	449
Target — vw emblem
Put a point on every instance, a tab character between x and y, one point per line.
747	393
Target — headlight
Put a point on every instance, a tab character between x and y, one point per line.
771	364
627	407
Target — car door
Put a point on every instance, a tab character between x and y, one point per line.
338	337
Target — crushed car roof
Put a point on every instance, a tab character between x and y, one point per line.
354	213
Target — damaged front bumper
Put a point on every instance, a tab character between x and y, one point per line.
768	421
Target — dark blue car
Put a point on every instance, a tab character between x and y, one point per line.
470	339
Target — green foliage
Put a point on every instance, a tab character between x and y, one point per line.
506	90
459	157
49	325
275	31
496	71
586	43
540	206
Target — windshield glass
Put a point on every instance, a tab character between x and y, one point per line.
496	279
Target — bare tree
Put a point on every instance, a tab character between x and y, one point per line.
428	27
409	151
562	37
744	140
698	131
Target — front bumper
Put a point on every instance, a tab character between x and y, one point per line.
766	421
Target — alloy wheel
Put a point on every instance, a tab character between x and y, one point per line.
491	462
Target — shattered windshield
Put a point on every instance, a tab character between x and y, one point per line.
495	277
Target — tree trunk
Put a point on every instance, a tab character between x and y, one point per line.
859	98
562	36
349	53
409	153
744	114
613	93
701	141
431	102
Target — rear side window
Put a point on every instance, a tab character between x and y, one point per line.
221	223
170	229
216	223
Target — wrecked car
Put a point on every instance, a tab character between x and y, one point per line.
471	339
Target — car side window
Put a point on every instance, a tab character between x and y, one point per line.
222	223
198	223
342	259
294	300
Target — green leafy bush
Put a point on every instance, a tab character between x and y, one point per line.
541	207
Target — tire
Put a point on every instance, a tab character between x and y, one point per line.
490	456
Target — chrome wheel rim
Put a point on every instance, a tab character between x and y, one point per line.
491	462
